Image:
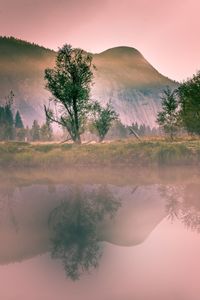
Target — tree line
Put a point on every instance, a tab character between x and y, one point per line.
73	110
181	108
12	126
71	107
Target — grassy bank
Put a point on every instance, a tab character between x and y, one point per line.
127	153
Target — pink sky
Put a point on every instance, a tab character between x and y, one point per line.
165	32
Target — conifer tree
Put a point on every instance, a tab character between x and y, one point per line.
189	101
168	118
18	121
8	118
46	132
35	131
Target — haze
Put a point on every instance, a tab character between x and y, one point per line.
165	32
148	219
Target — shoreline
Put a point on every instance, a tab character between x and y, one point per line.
117	154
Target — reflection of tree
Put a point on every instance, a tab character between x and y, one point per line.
74	224
184	204
7	206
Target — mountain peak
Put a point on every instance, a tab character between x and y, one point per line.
121	51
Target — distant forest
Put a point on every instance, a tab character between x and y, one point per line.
12	127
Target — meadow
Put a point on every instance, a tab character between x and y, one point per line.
127	153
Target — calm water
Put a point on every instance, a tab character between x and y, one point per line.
100	234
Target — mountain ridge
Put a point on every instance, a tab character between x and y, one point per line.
123	77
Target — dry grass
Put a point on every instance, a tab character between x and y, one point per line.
130	153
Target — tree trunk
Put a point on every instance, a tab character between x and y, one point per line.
172	135
78	139
101	139
76	121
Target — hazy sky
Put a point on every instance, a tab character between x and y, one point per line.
167	33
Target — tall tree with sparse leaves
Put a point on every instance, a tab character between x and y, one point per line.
168	118
69	82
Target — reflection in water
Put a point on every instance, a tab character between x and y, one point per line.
74	224
72	220
7	208
144	254
34	216
183	203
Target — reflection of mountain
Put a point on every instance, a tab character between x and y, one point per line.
88	215
142	210
126	78
123	76
73	220
23	227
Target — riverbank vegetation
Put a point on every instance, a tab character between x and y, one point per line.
131	153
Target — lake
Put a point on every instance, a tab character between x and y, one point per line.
103	234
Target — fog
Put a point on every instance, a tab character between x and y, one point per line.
100	234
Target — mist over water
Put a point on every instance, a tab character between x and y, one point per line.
100	234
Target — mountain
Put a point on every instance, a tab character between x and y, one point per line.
22	70
132	85
123	76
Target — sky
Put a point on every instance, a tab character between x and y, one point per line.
167	33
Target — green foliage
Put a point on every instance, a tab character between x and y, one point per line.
117	131
20	134
6	119
45	148
18	121
11	128
189	97
14	47
69	82
168	118
103	118
184	205
127	153
13	147
74	225
35	131
46	132
173	154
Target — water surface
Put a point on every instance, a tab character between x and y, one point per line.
100	234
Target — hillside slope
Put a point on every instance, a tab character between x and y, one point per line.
126	78
123	77
22	68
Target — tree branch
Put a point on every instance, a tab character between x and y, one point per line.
135	134
50	117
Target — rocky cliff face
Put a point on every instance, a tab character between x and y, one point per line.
133	86
123	77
